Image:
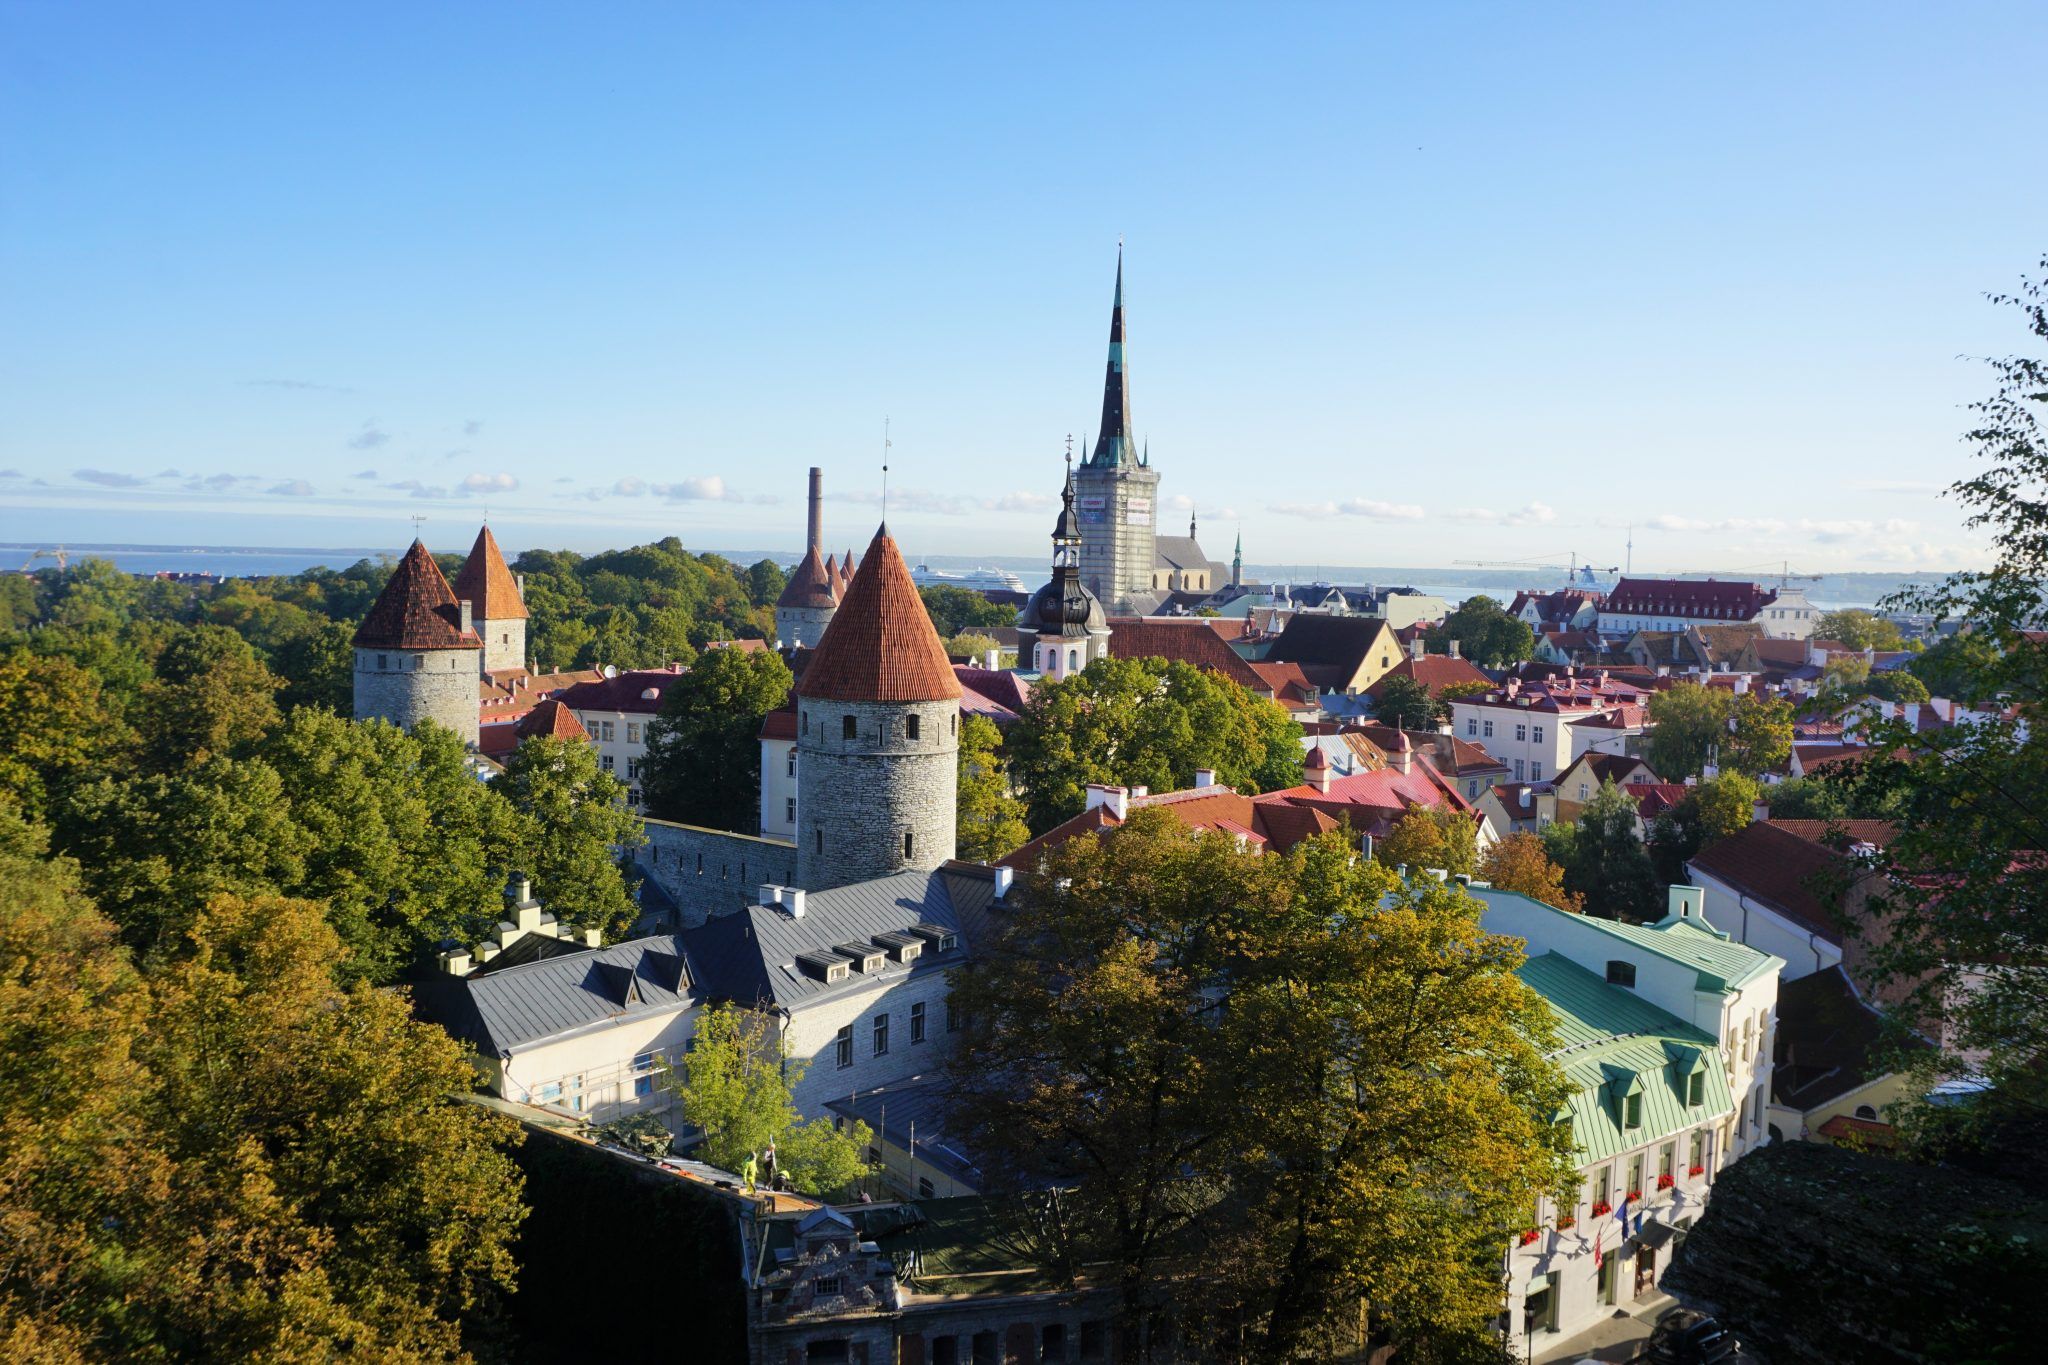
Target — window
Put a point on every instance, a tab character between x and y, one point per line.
1632	1111
818	843
1519	766
1471	726
1052	1343
1635	1176
952	1017
1621	973
633	732
1472	789
909	845
607	762
807	730
1866	1113
911	726
643	1086
1667	1156
633	767
924	1187
551	1092
1696	1149
881	1035
1535	770
843	1047
792	763
1094	1341
1582	791
380	663
1696	1089
1521	734
1489	729
789	809
605	726
632	796
1603	1186
917	1022
1748	1036
848	727
1536	734
826	1286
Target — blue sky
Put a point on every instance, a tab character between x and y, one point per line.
1407	284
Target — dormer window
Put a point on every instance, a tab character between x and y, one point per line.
1632	1110
1696	1089
1621	973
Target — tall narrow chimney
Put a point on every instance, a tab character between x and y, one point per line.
817	541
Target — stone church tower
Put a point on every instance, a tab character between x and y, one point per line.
814	588
417	652
1062	630
878	734
497	605
1117	491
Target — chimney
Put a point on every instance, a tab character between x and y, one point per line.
1205	777
1417	647
1004	877
793	901
1404	755
465	616
1453	645
771	893
817	504
993	661
1118	799
457	962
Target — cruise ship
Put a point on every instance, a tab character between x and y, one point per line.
975	580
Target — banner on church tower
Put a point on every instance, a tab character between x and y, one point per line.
1092	509
1138	512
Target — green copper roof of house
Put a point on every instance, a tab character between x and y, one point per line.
1723	963
1611	1041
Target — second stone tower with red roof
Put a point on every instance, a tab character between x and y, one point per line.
878	734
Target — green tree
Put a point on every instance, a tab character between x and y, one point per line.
1689	722
703	764
1361	1118
1965	963
579	832
1402	701
969	645
211	696
1609	866
954	609
1429	837
991	819
765	582
1858	629
1485	633
1726	804
1759	735
230	1158
60	731
1145	722
735	1087
1957	666
1844	676
1896	685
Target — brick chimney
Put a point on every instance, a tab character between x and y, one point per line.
1118	799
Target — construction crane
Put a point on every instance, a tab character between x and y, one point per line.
29	564
1574	572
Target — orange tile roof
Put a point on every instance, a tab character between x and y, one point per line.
487	585
881	645
810	584
1435	672
416	610
1182	641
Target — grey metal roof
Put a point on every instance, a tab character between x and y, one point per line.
751	956
915	1105
1180	552
508	1009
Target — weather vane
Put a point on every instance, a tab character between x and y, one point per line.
885	470
417	518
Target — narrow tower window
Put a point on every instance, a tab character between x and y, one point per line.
819	836
909	844
910	724
846	727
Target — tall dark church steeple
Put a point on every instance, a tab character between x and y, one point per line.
1113	443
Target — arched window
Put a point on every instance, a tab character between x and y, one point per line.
1865	1112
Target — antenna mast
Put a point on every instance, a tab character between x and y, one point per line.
885	470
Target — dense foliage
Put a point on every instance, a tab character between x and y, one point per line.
735	1086
1366	1120
957	611
1484	633
990	818
228	1155
703	764
1145	722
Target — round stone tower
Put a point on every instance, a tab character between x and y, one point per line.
878	734
417	652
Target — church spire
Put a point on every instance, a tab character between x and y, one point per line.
1113	444
1237	563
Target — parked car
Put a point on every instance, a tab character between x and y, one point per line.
1689	1338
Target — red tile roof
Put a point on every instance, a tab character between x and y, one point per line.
1435	672
549	720
1877	833
1709	599
1181	641
779	723
809	585
416	610
1779	868
880	645
637	689
487	585
1873	1133
1221	809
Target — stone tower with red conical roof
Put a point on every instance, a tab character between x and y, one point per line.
497	607
878	734
417	652
812	593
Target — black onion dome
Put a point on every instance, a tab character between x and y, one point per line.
1063	607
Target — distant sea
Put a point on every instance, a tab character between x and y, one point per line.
235	561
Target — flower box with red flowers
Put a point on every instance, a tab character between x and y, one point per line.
1634	1196
1696	1171
1530	1235
1602	1209
1568	1221
1665	1182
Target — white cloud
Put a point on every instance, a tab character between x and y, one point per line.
489	483
1020	502
418	489
630	487
370	437
1370	508
1534	514
293	488
708	488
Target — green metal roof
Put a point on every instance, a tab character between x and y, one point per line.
1723	964
1609	1040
